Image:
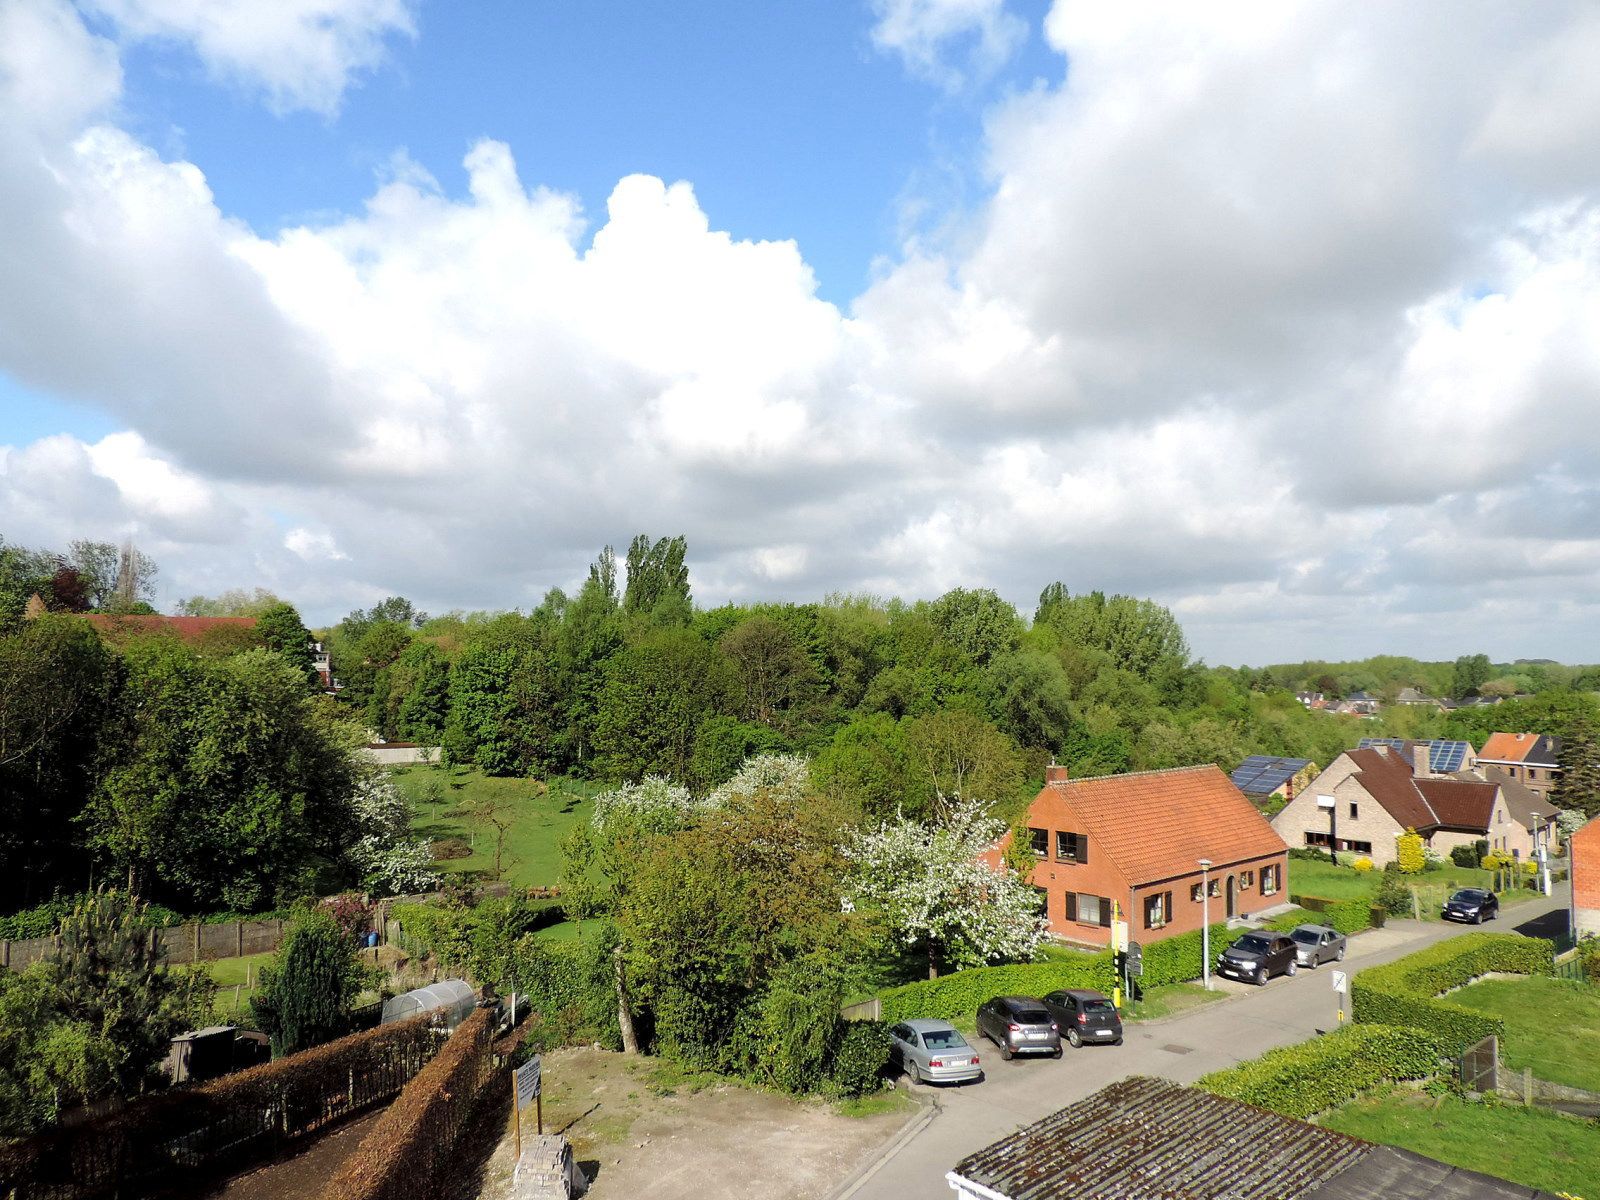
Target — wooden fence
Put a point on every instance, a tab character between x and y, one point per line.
188	943
169	1143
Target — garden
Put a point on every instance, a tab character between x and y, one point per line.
1316	876
1552	1026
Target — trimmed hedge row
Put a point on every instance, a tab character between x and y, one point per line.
1312	1077
1406	992
1347	916
958	995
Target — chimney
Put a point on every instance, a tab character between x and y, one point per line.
1055	774
1422	759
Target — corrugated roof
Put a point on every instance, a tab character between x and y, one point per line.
1155	824
1391	1174
1149	1139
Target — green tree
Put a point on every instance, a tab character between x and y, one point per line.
1472	671
312	983
777	683
657	587
506	711
960	757
235	602
1034	697
281	630
867	767
1579	788
977	622
1139	636
657	692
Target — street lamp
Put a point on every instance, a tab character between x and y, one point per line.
1205	919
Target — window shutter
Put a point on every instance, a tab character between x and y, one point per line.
1105	912
1072	906
1083	848
1166	906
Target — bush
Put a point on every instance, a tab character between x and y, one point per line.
1405	992
860	1053
1312	1077
1308	854
1362	864
959	994
1347	916
570	990
1409	853
1464	856
1393	896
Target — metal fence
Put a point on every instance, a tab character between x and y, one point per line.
1480	1065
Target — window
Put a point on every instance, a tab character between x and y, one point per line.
1089	910
1316	839
1270	880
1216	887
1043	897
1157	910
1194	893
1355	811
1247	879
1072	847
1359	847
1041	841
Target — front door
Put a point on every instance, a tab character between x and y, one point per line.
1231	913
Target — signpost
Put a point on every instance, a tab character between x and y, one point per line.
1341	986
525	1090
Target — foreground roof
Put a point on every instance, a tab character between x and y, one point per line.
1155	825
1422	803
1149	1139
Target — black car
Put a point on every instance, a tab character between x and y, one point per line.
1257	957
1019	1025
1471	904
1084	1016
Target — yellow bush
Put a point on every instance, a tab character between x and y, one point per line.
1408	848
1362	864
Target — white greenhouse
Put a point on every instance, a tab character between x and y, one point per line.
451	999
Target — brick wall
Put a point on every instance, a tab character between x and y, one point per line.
1372	822
1585	857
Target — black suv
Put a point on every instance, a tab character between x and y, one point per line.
1257	957
1472	904
1084	1016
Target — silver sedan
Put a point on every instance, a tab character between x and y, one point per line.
933	1052
1317	944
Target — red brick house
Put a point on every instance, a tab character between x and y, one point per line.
1584	849
1137	839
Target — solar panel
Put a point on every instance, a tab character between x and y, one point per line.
1260	774
1446	756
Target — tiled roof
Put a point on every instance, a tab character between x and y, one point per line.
1422	804
188	628
1533	749
1459	805
1143	1138
1526	806
1156	824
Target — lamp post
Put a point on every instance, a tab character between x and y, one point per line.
1205	919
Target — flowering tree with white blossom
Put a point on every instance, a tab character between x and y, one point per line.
929	884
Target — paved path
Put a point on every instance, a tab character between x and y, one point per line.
1249	1023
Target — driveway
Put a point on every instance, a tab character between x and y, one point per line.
1181	1048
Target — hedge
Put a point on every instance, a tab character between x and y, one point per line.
958	995
1347	916
1312	1077
1407	992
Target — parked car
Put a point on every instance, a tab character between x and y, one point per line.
1257	957
1317	944
1472	904
1019	1025
1084	1016
933	1052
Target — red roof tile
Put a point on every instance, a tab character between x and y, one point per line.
1508	747
1156	824
1459	804
190	629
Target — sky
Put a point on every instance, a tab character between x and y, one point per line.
1284	314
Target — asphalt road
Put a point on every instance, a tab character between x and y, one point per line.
1250	1022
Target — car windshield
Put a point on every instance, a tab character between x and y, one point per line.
943	1039
1468	896
1306	937
1252	944
1098	1006
1032	1016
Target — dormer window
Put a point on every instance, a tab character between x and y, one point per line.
1072	847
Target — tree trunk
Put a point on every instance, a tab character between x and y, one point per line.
933	962
630	1040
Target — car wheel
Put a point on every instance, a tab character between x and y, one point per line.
1292	968
1478	919
1057	1053
1339	955
1118	1041
916	1074
1074	1038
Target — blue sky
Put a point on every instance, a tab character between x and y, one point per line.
1171	299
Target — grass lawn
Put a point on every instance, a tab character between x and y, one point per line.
1528	1146
565	931
1307	878
540	819
235	973
1552	1026
1170	1000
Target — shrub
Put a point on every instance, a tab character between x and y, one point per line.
959	994
1362	864
1393	896
860	1052
1347	916
569	989
1312	1077
1464	856
1405	992
311	984
1408	853
1308	854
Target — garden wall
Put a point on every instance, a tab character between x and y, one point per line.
195	941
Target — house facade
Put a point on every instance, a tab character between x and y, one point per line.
1584	853
1131	844
1532	759
1378	792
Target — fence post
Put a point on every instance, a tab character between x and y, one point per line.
196	940
238	939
